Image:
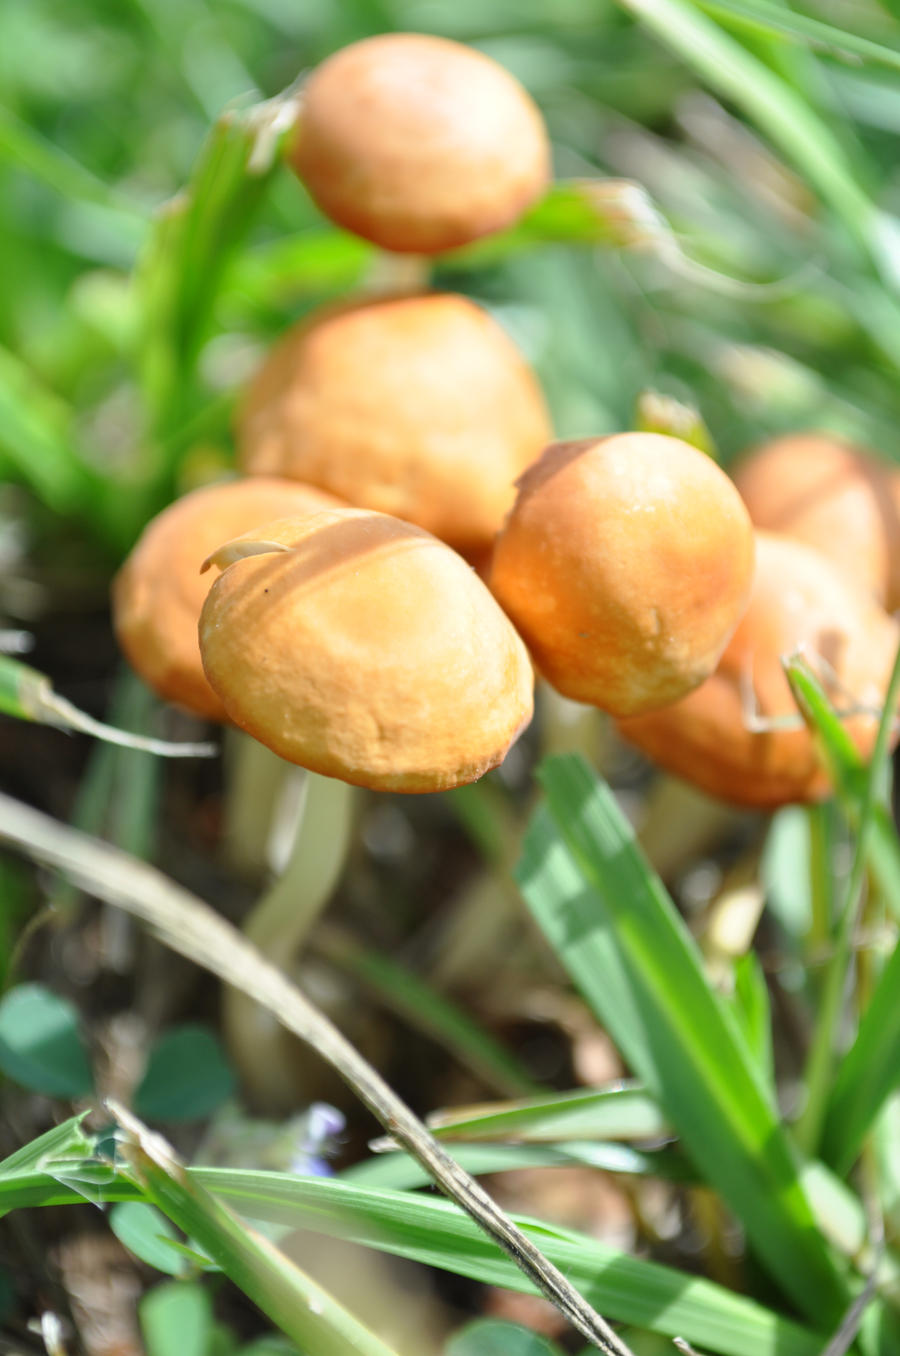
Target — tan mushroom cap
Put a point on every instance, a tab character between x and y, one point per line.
800	600
626	564
833	496
368	651
420	407
418	143
159	591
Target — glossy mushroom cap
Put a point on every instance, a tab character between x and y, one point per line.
626	564
800	600
418	143
367	651
419	407
833	496
159	591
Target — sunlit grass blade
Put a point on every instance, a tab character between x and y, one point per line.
781	113
432	1231
620	1111
194	241
309	1315
760	16
868	1073
402	1173
63	1140
850	776
868	793
611	923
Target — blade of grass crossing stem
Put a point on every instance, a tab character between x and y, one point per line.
433	1232
850	777
302	1309
782	114
819	1067
613	926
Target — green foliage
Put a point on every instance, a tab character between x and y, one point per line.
187	1077
40	1043
491	1337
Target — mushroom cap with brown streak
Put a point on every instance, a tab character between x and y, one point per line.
625	563
368	651
159	591
833	496
419	143
800	600
420	407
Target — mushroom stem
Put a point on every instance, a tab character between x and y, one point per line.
254	780
282	918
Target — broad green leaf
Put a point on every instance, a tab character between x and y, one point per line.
493	1337
187	1077
609	920
40	1043
176	1319
148	1234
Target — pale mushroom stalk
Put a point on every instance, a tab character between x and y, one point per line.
320	832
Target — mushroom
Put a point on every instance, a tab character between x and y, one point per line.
418	143
420	407
625	563
159	591
740	736
833	496
363	648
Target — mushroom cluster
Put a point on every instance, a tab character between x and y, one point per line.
385	435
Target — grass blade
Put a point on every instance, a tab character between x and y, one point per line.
621	1111
432	1231
302	1309
610	921
760	16
784	116
868	1073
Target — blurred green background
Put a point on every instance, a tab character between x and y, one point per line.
756	279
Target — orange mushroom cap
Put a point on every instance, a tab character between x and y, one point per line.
418	143
420	407
367	650
833	496
800	600
625	563
159	591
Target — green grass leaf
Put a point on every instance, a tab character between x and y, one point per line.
761	16
620	1111
290	1298
612	925
780	111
